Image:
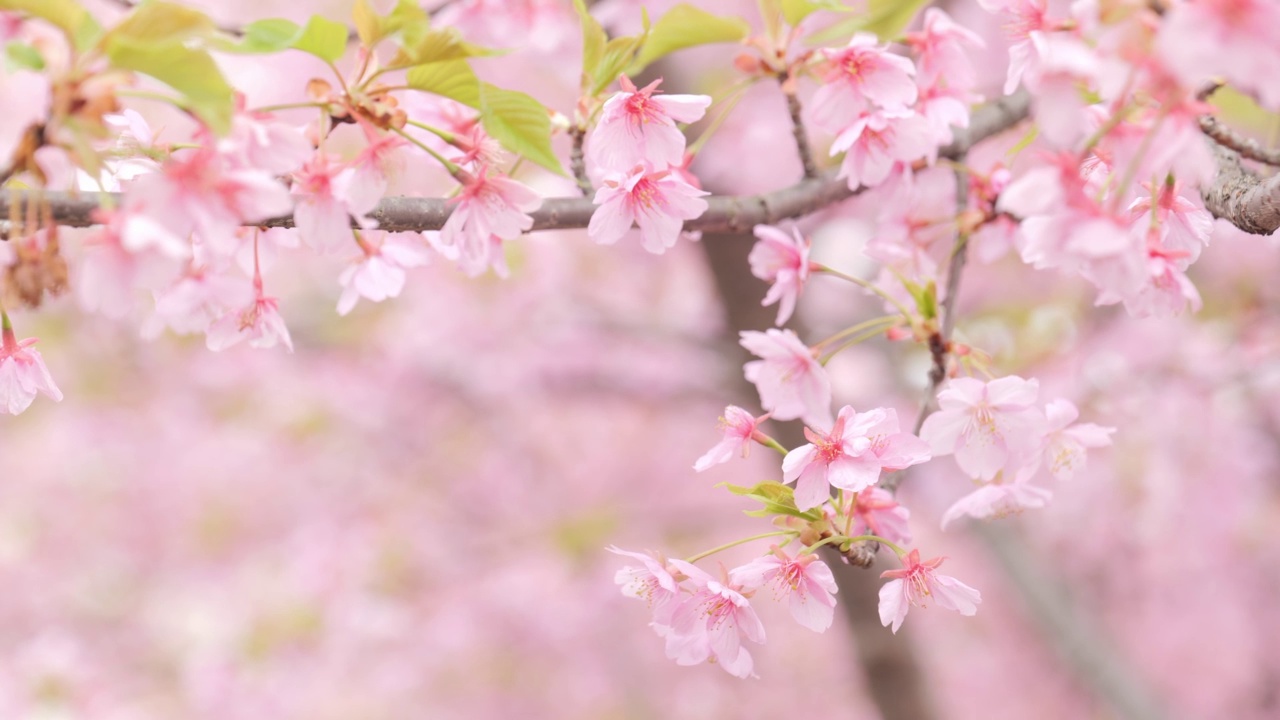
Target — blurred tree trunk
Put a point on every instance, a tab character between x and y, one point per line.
892	673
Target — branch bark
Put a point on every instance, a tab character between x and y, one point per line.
725	213
1240	197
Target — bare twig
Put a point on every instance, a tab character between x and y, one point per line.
797	129
725	213
1247	147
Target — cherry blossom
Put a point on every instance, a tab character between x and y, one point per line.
915	584
491	208
850	456
259	141
943	48
711	624
259	323
879	140
325	204
1066	441
805	580
791	382
875	511
380	272
991	427
636	126
740	431
861	72
650	581
22	373
658	202
998	500
783	261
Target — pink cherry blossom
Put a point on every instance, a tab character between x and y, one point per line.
490	209
656	202
875	511
991	427
998	500
22	373
200	194
1237	39
861	72
1066	443
259	141
637	126
1187	224
915	584
259	323
379	273
650	581
711	624
791	382
324	206
192	302
782	260
851	455
877	141
805	580
740	431
943	48
125	252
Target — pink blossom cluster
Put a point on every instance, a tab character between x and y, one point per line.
884	111
638	153
1004	441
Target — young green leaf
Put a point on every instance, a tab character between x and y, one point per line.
520	123
68	15
795	11
407	18
265	36
154	23
886	18
593	42
618	54
778	499
324	38
453	79
436	45
21	56
685	26
190	71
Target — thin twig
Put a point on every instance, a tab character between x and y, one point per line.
1247	147
797	129
577	160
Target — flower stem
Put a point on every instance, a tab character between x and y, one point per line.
866	286
882	320
448	165
769	442
735	543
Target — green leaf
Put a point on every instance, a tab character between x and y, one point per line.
21	56
68	15
190	71
927	302
778	499
886	18
266	36
618	54
407	18
324	38
685	26
436	45
156	23
796	11
593	42
453	79
520	123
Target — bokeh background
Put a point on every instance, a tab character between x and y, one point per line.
406	518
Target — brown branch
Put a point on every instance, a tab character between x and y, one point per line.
1247	147
1240	197
797	128
577	160
725	213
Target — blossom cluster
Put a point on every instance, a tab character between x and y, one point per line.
638	153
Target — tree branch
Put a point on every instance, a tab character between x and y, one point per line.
1240	197
1248	147
725	213
797	128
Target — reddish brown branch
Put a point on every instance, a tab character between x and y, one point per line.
1242	198
1247	147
